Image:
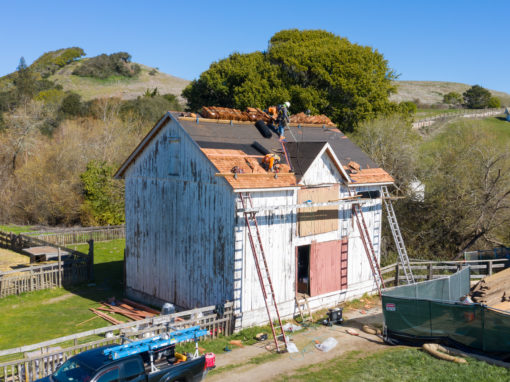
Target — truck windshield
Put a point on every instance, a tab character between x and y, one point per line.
73	371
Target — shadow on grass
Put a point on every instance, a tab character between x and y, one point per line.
107	282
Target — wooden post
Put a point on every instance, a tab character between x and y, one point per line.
489	268
397	274
91	259
429	269
59	268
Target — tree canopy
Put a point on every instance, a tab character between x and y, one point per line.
313	69
477	97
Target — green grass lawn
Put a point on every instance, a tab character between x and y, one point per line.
497	127
17	229
398	364
42	315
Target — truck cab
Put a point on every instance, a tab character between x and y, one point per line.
94	366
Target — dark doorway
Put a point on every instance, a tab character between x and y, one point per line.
303	269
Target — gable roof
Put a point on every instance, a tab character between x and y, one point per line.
244	137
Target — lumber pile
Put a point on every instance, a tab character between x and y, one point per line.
492	290
311	119
127	308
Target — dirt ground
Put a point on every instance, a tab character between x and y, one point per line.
10	260
286	364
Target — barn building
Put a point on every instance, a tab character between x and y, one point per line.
187	243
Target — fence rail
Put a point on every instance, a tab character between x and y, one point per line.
75	268
462	113
428	270
80	235
50	354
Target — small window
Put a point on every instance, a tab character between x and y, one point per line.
109	376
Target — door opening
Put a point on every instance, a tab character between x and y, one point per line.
303	269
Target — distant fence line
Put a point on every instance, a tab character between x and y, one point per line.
458	114
75	267
393	274
29	367
68	236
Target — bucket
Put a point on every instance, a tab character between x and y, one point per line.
210	360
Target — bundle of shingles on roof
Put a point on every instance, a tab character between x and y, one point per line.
254	114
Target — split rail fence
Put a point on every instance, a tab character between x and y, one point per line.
393	274
82	235
42	359
75	267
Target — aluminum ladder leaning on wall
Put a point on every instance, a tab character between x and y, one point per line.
397	236
262	270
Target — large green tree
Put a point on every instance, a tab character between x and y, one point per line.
313	69
477	97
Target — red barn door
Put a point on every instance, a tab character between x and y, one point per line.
325	272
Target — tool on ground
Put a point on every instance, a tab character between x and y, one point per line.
397	236
335	316
261	336
259	258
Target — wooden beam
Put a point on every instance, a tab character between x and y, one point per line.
304	205
235	122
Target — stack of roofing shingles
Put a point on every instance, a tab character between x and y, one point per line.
254	114
311	119
251	114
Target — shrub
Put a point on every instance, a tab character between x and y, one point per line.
494	103
104	196
408	107
72	105
104	66
150	108
452	98
50	62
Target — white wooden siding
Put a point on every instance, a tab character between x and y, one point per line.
179	224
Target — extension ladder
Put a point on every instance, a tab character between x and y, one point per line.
262	270
154	343
397	236
369	248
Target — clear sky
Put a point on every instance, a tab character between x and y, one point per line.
450	40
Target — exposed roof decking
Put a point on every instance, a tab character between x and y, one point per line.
253	174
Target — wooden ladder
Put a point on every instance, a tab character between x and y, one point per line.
301	305
266	284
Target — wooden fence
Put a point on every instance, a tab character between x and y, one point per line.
461	113
393	274
45	357
80	235
76	267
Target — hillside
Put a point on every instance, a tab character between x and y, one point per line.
122	87
431	92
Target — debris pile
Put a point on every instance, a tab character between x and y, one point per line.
311	119
127	308
493	290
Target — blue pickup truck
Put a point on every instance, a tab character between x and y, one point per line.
163	366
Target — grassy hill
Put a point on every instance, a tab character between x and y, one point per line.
431	92
118	86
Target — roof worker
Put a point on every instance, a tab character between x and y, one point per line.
283	118
271	161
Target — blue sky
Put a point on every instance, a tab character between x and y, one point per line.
461	41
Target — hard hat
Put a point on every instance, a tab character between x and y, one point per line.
287	104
